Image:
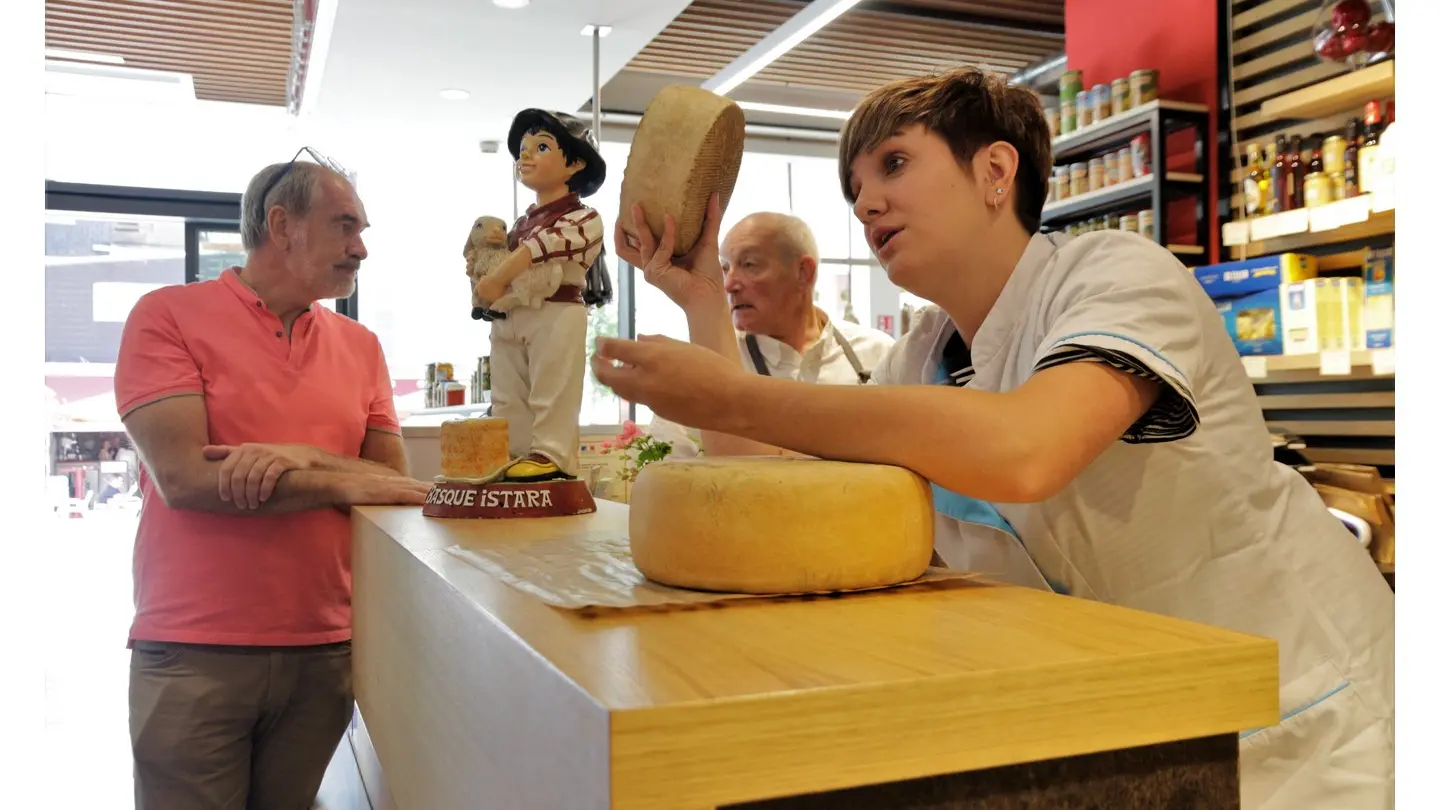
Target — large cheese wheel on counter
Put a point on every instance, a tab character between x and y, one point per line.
473	448
779	525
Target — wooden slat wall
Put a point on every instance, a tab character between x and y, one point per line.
1340	419
237	50
857	52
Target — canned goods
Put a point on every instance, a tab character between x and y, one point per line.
1079	179
1112	168
1127	168
1319	189
1096	172
1100	102
1144	87
1084	112
1119	96
1052	120
1062	182
1333	156
1130	223
1146	221
1112	222
1140	154
1068	120
1070	84
454	393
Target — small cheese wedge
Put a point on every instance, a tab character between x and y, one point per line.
473	448
772	525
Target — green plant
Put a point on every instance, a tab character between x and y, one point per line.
636	449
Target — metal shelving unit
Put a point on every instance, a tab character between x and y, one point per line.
1159	119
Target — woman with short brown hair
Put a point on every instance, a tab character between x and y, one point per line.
1080	410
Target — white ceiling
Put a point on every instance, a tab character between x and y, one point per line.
388	60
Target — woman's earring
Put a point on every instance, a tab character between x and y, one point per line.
996	203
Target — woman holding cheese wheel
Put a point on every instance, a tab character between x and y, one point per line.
1084	419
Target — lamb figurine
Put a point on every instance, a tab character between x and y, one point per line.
485	248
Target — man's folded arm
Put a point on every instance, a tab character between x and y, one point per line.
170	435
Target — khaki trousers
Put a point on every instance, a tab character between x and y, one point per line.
537	373
235	728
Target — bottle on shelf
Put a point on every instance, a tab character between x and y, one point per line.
1352	158
1319	189
1298	167
1279	172
1370	148
1254	191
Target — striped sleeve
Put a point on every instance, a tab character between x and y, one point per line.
1171	418
571	238
1127	302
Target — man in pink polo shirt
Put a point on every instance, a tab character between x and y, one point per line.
261	417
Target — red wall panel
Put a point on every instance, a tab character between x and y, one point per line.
1107	39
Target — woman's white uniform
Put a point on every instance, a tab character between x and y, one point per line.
1189	516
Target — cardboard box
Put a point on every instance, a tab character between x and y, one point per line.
1255	322
1233	279
1323	315
1379	314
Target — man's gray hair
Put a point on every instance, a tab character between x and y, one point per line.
794	237
295	193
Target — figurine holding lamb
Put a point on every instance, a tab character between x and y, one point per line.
535	285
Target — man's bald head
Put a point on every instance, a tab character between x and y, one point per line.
770	262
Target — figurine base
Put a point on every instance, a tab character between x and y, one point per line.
458	499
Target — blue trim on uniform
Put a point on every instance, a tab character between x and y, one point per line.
975	511
971	510
1127	339
1302	709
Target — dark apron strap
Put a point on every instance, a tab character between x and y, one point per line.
756	357
850	354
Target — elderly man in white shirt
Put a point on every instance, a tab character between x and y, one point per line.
770	262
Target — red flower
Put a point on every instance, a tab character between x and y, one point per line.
629	432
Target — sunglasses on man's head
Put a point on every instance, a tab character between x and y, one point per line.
304	150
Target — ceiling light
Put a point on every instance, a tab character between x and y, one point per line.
454	94
512	3
589	31
84	56
797	29
786	109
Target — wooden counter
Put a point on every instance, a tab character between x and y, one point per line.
477	695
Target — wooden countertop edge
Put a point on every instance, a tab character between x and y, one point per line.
746	749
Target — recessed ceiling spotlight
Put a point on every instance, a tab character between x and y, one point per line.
512	3
589	31
454	94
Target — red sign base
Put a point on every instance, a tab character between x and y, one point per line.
455	499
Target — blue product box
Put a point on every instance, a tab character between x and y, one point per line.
1254	322
1248	276
1380	299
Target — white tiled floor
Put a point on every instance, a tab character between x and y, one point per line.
86	613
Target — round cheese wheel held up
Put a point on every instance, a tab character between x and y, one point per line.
688	145
773	525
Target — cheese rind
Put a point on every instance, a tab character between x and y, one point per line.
780	525
473	448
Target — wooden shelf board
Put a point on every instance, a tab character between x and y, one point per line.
1379	224
1332	96
1306	368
